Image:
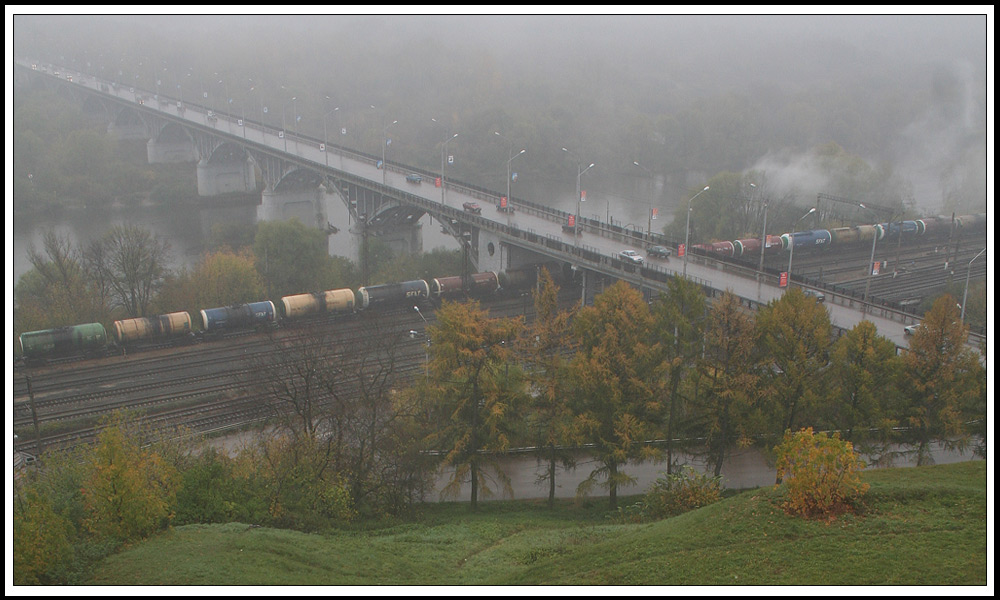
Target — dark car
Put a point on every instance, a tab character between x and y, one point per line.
472	207
819	296
658	252
414	178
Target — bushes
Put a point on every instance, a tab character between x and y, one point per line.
820	474
676	493
673	494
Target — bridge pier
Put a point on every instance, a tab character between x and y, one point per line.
215	179
128	131
305	205
158	151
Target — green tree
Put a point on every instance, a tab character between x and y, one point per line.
679	324
291	257
474	395
794	334
42	537
864	376
729	407
618	375
943	379
543	347
129	489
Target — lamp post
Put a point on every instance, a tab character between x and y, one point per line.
510	150
649	213
968	272
687	228
871	263
579	198
385	142
444	152
326	151
427	340
791	245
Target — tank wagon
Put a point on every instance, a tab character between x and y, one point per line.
330	301
806	239
480	284
393	293
90	339
241	316
146	329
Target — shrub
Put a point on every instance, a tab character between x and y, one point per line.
676	493
820	474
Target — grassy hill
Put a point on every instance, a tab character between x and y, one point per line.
920	526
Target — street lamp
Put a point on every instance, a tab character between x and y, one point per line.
326	152
791	246
968	272
510	149
385	142
687	229
649	215
579	199
871	263
444	151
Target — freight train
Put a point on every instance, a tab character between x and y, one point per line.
842	236
92	340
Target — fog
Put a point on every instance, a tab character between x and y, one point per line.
908	93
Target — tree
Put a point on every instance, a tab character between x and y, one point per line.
129	489
729	408
132	262
57	291
617	374
679	324
794	334
291	257
943	379
864	372
543	345
473	395
41	540
221	278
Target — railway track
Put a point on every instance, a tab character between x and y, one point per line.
204	386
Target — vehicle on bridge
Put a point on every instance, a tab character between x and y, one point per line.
414	178
210	115
631	256
658	252
472	207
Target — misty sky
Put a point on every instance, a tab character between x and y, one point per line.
686	55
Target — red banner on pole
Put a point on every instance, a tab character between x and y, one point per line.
572	221
783	279
437	182
681	250
503	201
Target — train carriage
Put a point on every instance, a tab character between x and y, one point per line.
816	238
89	339
129	331
331	301
242	316
480	284
393	293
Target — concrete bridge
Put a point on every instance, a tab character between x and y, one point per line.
294	170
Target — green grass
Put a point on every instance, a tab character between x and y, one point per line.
919	526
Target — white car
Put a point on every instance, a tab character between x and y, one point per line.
910	329
631	255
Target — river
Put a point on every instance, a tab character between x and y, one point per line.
187	228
